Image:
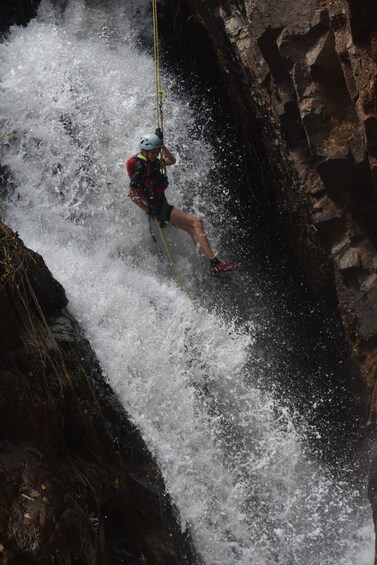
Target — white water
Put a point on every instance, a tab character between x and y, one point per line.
79	91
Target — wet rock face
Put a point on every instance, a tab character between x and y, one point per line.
77	483
18	12
311	72
363	18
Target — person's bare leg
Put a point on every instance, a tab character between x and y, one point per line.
194	227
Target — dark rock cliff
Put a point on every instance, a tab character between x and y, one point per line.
303	77
77	483
17	12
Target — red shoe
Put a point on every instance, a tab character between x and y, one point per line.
218	267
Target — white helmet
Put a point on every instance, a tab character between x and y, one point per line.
149	141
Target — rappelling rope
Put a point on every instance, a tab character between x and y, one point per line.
159	91
160	124
173	263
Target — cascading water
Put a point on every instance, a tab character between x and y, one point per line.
78	89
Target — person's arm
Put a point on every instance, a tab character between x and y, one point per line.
167	157
133	194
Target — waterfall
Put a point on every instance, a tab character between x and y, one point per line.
77	90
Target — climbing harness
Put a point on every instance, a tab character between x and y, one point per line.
160	127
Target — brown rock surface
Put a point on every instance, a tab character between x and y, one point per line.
77	484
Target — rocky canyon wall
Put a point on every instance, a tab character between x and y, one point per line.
304	78
77	483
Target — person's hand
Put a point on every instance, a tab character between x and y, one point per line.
135	197
159	134
133	194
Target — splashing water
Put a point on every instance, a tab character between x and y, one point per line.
78	89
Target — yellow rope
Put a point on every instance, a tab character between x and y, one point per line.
159	92
5	135
159	98
172	262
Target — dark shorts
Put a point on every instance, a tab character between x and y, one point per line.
163	211
169	208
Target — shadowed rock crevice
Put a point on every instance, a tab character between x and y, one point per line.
363	19
18	12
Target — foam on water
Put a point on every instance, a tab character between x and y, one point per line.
79	90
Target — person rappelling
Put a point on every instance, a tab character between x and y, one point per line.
148	181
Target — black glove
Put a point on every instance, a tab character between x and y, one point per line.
159	134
